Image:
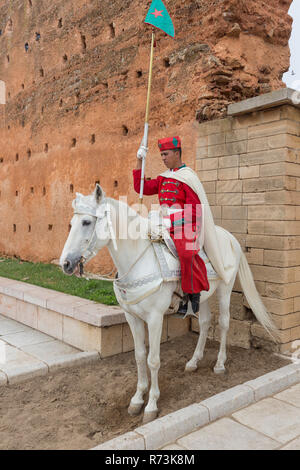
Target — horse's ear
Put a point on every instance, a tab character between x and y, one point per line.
98	193
78	196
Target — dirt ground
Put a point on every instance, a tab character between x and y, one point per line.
79	408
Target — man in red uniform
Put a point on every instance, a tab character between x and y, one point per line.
185	215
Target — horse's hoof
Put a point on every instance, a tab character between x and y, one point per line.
135	410
190	367
150	416
219	370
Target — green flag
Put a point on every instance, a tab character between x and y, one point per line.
159	17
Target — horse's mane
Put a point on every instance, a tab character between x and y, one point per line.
126	213
122	213
122	208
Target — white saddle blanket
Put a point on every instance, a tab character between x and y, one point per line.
132	292
158	231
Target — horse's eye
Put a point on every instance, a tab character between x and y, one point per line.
86	222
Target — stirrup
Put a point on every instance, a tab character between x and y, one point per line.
188	314
182	311
191	314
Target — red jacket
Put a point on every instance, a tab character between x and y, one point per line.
186	224
172	193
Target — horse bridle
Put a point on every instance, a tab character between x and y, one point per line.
102	211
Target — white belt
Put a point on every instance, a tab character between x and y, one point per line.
166	219
173	211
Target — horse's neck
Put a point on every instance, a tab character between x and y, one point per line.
129	246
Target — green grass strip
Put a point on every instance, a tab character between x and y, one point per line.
52	277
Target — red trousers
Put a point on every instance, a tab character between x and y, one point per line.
193	269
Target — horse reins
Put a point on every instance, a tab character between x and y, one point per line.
89	252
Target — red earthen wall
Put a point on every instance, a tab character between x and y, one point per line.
76	98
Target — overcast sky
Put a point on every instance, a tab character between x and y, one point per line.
292	77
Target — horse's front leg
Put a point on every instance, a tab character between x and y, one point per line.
155	330
137	327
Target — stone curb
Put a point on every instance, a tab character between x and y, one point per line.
26	372
88	311
73	360
169	428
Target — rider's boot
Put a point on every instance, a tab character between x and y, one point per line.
195	301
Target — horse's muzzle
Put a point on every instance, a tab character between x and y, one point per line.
68	267
71	266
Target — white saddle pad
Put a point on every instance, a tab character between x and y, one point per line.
159	232
211	273
135	291
132	292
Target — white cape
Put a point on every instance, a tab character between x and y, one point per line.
221	257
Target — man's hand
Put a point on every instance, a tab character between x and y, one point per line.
142	152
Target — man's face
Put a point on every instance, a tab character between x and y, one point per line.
171	158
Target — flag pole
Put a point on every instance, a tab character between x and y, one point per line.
146	127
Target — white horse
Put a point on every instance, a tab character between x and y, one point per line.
96	219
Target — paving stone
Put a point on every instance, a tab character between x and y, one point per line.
81	335
8	287
173	447
26	372
8	306
17	289
167	429
275	381
99	314
50	322
111	341
293	445
274	418
4	281
226	434
226	402
75	359
27	313
129	441
291	395
8	326
19	365
49	350
65	304
39	295
26	338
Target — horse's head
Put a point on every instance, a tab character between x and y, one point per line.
89	232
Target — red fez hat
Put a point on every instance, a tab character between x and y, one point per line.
169	143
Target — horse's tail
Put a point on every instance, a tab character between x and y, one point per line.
253	298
